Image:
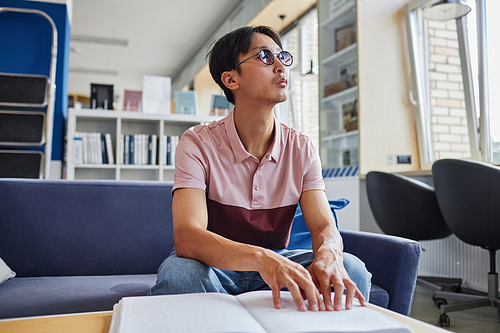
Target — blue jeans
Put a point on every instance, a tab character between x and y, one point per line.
180	275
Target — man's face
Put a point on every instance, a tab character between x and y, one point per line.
259	81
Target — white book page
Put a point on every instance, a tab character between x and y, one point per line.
289	319
211	312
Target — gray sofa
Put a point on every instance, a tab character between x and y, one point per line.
80	246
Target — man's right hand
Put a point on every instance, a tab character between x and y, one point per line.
279	272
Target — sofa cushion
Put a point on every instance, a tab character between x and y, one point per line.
5	272
379	296
38	296
76	228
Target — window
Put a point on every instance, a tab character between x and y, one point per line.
493	79
450	96
300	111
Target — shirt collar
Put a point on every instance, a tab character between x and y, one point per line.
239	151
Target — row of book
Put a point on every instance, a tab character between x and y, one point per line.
138	149
170	141
142	149
93	148
133	149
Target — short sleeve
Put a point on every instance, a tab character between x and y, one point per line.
190	162
313	178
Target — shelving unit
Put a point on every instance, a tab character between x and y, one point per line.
123	122
339	146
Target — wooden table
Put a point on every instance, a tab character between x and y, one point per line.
92	322
98	322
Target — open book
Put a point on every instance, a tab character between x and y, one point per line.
249	312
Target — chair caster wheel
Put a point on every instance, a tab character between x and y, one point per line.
456	288
439	301
444	320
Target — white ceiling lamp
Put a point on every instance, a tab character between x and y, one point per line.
446	10
99	40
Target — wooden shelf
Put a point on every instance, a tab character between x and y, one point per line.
341	135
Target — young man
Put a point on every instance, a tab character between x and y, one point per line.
237	184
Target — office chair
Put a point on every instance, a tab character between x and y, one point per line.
408	208
468	194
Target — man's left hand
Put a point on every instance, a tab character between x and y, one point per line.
327	270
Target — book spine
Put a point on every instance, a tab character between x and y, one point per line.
96	148
88	148
126	148
145	148
169	150
163	157
150	149
154	149
137	149
121	144
104	159
90	137
132	149
78	148
109	148
141	150
175	139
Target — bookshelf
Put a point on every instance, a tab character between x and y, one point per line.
119	123
338	84
383	123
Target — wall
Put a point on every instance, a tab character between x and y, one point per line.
205	86
385	111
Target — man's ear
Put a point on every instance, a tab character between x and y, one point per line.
229	80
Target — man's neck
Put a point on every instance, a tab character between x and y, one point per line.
255	128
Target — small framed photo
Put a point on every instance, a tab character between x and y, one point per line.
101	96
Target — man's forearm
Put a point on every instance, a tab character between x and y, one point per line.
217	251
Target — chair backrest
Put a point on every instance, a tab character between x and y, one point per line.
405	207
468	194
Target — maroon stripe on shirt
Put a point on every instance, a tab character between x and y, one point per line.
269	228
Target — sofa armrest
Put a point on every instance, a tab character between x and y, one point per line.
393	262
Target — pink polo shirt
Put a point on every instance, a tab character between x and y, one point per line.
248	200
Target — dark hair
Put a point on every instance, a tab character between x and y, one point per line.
224	54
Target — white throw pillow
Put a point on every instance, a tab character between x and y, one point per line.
5	272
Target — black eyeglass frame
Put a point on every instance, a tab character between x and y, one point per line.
262	54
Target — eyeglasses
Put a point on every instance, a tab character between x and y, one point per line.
267	57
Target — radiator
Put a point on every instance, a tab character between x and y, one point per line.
450	257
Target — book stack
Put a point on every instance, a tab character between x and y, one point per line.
93	148
138	149
170	142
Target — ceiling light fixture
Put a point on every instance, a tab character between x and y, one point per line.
446	10
83	70
99	40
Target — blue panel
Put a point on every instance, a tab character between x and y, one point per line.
26	41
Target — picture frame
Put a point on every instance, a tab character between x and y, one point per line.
101	96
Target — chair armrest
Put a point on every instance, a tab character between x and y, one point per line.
393	262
